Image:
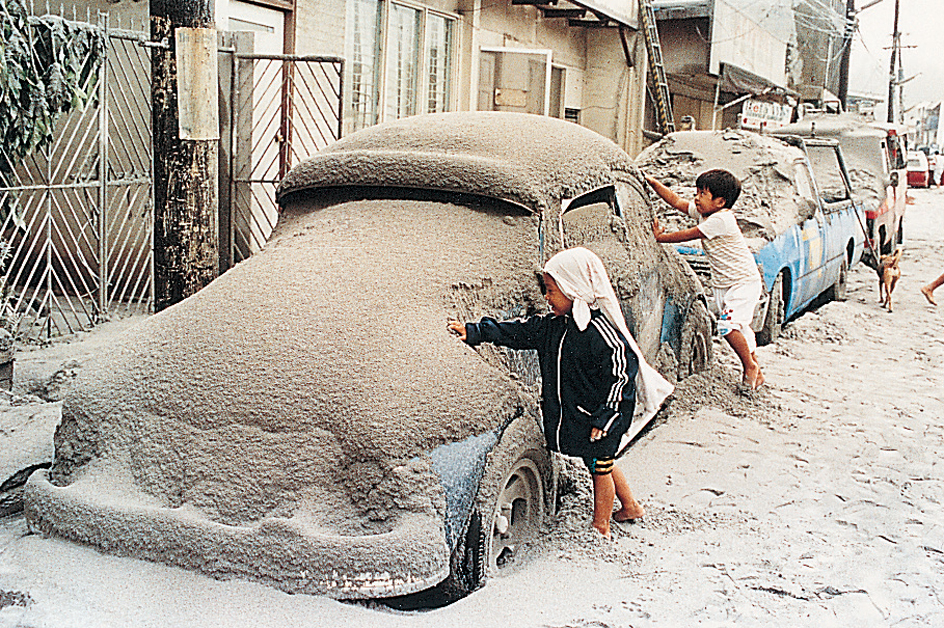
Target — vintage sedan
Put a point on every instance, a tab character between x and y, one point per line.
307	420
805	230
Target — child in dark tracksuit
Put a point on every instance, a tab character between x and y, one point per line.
588	373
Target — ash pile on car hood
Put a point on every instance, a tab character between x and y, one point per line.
533	161
769	203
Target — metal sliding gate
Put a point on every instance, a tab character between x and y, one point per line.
284	108
76	215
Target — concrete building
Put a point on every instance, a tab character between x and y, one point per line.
750	63
580	60
724	68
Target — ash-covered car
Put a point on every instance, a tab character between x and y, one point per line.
307	420
874	154
805	233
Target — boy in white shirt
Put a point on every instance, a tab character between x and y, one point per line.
735	280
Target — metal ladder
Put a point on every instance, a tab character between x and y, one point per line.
663	97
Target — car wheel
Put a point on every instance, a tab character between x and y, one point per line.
837	292
773	321
517	515
507	513
513	495
695	354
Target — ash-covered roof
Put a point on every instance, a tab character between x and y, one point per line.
525	159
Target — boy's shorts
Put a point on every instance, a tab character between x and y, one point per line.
737	305
599	466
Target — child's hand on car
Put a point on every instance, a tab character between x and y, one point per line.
457	328
596	433
657	229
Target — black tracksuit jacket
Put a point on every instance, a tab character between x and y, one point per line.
588	378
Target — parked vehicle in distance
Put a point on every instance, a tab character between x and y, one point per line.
804	237
918	176
875	161
308	422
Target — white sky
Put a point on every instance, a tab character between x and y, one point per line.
921	23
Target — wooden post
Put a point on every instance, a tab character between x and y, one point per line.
186	194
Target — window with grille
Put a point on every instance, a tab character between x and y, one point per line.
401	61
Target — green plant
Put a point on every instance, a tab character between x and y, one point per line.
47	67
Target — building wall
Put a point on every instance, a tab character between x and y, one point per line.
597	81
615	92
686	41
320	32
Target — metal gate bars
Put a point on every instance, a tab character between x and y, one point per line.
76	229
284	109
76	219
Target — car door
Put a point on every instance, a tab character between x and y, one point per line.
811	244
833	192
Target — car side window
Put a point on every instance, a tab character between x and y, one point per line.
590	217
828	172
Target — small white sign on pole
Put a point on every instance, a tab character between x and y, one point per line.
761	114
197	84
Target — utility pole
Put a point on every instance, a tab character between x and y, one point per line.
892	75
846	54
186	163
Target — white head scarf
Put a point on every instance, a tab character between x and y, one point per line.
581	276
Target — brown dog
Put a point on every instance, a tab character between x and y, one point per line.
888	274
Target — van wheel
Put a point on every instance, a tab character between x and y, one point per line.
837	292
696	341
773	321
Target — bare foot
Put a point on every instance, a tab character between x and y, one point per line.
629	512
751	373
603	529
928	294
760	380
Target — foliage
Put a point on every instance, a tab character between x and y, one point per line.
48	66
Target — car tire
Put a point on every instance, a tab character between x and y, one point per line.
696	349
773	320
889	247
837	292
519	468
514	495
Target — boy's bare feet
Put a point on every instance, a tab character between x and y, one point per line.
928	294
629	512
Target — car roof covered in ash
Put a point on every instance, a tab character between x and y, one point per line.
525	159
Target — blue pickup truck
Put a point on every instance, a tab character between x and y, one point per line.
804	236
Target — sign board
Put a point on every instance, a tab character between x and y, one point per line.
197	84
760	114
